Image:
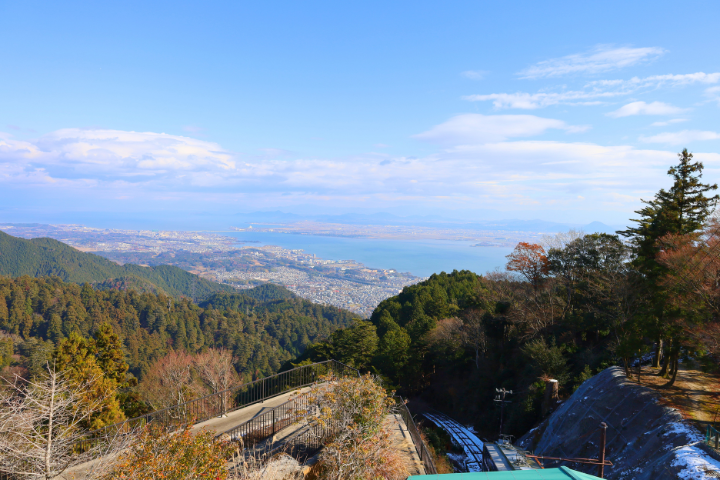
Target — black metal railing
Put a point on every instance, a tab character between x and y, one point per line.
221	403
420	446
712	437
267	423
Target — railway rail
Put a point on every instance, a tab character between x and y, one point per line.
462	436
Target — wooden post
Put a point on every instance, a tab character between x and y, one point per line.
551	395
601	467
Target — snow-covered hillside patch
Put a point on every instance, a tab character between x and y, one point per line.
695	464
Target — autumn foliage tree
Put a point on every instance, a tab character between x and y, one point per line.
693	264
183	455
530	261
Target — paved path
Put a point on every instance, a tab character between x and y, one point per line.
235	418
402	441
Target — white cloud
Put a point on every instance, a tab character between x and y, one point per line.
473	128
594	92
474	74
642	108
477	162
668	122
89	153
601	59
714	94
680	138
531	101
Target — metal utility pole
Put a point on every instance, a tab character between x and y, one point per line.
603	434
501	398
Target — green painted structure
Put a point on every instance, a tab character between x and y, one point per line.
562	473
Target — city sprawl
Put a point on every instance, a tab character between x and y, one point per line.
341	283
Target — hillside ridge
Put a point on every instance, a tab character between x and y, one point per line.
40	257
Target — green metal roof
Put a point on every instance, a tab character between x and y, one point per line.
562	473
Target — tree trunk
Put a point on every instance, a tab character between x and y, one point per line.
675	370
658	353
627	368
666	361
671	370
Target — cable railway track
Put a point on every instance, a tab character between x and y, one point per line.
460	434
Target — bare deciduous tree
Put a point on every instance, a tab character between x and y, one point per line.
215	369
170	381
40	431
475	336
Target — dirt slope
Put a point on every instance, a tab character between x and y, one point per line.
646	439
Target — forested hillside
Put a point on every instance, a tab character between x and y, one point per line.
36	314
565	310
47	257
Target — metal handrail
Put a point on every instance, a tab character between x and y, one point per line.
267	423
712	437
420	446
220	403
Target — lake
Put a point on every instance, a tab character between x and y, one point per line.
419	257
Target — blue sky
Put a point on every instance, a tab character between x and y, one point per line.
190	112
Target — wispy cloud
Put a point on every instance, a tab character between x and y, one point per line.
681	138
714	94
602	58
594	92
642	108
474	74
473	128
668	122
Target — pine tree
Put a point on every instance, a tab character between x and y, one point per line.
681	210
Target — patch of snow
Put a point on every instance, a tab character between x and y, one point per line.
680	428
695	464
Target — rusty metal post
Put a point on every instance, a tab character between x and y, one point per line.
601	467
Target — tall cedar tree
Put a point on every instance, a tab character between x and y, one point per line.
95	363
681	210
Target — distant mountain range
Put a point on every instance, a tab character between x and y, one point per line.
44	256
428	221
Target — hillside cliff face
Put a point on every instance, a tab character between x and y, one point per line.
645	440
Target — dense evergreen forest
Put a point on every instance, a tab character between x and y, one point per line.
262	328
564	310
47	257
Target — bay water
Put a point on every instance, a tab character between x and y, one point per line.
418	257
